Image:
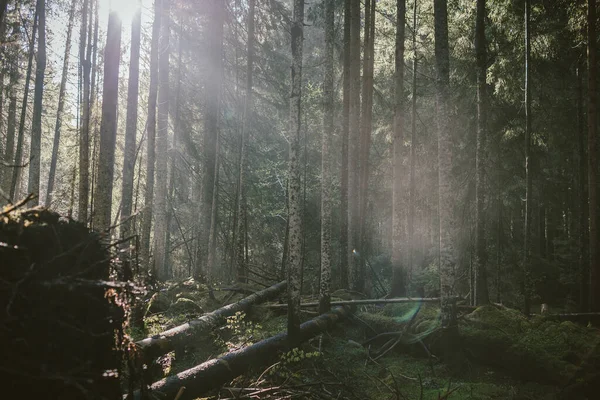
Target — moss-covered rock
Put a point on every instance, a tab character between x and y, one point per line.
185	305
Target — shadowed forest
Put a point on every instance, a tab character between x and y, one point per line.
289	199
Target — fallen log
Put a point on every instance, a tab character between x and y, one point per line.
166	341
368	301
216	372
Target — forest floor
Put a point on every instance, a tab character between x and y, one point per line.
500	354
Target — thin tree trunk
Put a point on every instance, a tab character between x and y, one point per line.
35	149
399	274
11	126
162	148
295	222
84	140
445	203
151	134
528	180
108	129
61	105
326	185
481	288
356	271
593	160
241	269
344	267
582	196
19	149
129	152
413	141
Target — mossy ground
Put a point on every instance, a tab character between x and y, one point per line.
503	355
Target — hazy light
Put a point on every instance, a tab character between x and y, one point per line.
126	9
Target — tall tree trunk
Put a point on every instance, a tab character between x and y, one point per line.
84	141
211	126
326	182
129	153
108	128
61	106
242	270
11	125
583	200
162	148
344	266
354	264
481	287
3	5
35	150
413	141
528	180
295	212
593	159
445	197
151	134
19	149
399	274
366	122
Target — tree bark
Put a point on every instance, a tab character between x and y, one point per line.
84	139
11	125
593	159
326	182
295	212
481	287
353	254
162	148
583	200
61	106
445	197
166	341
35	149
413	141
19	149
344	267
129	152
108	128
241	269
219	371
151	134
528	180
399	274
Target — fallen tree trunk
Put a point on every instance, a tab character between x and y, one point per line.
166	341
367	301
214	373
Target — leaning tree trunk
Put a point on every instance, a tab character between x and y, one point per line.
326	182
35	149
528	180
162	148
108	127
15	181
593	159
295	223
481	295
129	152
151	135
399	274
61	106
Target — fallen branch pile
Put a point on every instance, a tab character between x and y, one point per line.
216	372
164	342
